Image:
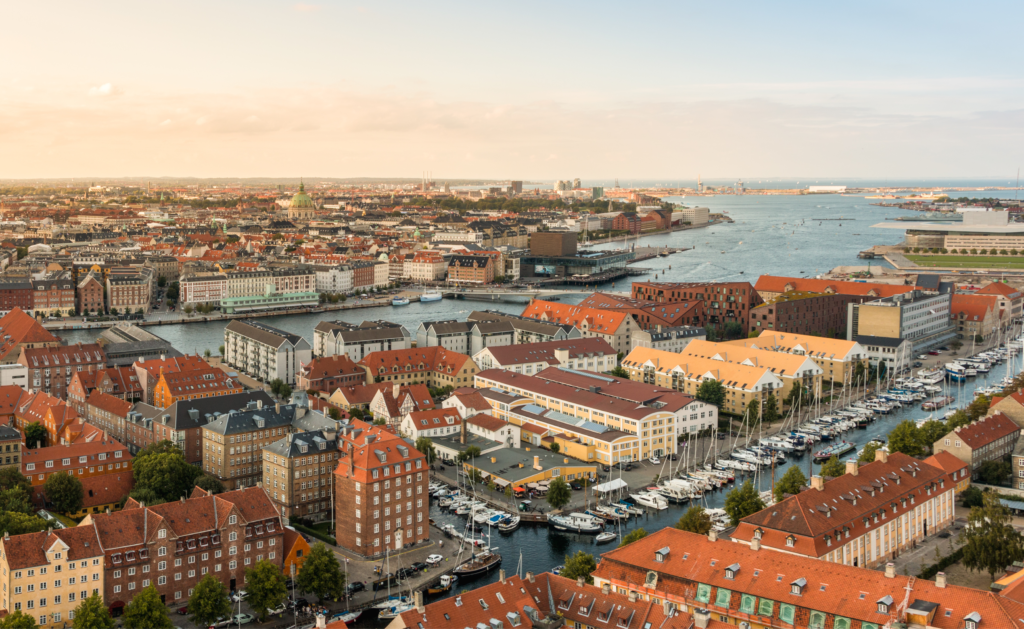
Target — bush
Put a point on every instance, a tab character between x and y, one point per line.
930	572
315	533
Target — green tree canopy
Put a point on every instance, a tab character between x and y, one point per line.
17	523
468	454
695	520
18	620
990	542
833	467
632	536
972	497
208	602
619	372
559	493
64	492
168	474
790	483
978	408
771	409
92	614
426	447
210	484
554	447
868	455
147	611
742	501
320	573
904	438
712	392
958	420
579	565
264	583
994	472
35	436
15	499
930	432
11	477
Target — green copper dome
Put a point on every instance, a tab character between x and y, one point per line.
302	200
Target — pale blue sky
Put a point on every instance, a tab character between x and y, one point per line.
522	90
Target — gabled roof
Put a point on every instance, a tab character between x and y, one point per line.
29	550
435	358
522	353
600	321
973	307
999	288
105	402
778	284
17	327
331	367
984	431
434	418
466	610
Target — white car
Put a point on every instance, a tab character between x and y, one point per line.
280	609
241	595
433	560
655	460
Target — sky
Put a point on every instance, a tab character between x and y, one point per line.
526	90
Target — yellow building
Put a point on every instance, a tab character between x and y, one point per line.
686	373
517	467
46	575
792	369
838	358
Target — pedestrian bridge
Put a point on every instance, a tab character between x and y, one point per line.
510	296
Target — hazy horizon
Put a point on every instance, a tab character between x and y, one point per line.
534	91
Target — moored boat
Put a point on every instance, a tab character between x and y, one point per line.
836	449
400	301
431	295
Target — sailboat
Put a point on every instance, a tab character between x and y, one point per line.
480	563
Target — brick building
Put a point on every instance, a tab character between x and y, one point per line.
89	294
16	294
724	302
193	385
102	464
381	499
800	312
628	222
329	373
650	315
175	544
471	269
54	295
50	368
298	472
149	371
20	330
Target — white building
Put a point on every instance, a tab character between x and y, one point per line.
691	215
426	266
475	238
263	352
333	338
15	374
668	339
589	354
465	337
334	279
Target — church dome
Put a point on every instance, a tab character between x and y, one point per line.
302	200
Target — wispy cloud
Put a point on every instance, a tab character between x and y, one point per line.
107	89
303	7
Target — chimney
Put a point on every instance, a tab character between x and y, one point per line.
755	544
501	575
417	598
666	608
606	588
940	580
712	535
851	467
462	432
659	327
536	463
529	577
701	618
259	404
817	482
881	455
277	408
890	570
321	620
580	582
632	596
494	459
562	356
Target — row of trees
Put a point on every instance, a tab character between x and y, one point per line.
973	252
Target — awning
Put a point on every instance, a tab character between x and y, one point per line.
1012	504
533	485
500	482
519	490
612	485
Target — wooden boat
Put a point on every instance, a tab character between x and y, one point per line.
447	581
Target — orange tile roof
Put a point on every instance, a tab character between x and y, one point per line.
206	380
777	284
436	359
984	431
999	288
973	307
487	422
330	366
422	420
29	550
17	327
601	321
106	402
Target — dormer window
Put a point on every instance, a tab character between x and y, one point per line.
730	572
661	555
790	541
884	604
972	620
797	587
758	533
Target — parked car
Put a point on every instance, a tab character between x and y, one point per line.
299	602
239	596
576	486
655	460
433	560
242	619
183	610
280	609
419	565
933	353
355	586
405	573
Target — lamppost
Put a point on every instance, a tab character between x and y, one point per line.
295	608
346	583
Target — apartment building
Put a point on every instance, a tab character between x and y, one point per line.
18	330
668	339
977	316
771	286
922	317
89	297
529	330
434	422
685	373
102	464
466	337
130	292
195	290
234	441
471	269
50	368
367	275
175	544
590	354
381	499
107	413
328	373
864	518
803	312
264	352
46	575
1011	299
333	279
298	473
149	370
433	366
838	358
15	293
794	370
650	315
991	438
119	382
723	302
10	447
332	338
54	295
194	384
614	327
393	401
425	266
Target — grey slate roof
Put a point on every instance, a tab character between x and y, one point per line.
188	414
264	333
291	444
234	421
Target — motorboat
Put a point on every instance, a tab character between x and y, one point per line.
347	617
400	301
509	524
834	450
446	584
932	376
576	523
431	295
629	508
612	512
395	611
479	565
603	538
650	500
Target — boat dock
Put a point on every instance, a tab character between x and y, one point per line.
936	403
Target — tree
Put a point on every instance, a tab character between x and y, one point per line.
17	523
264	583
990	542
320	574
559	493
733	330
858	373
994	472
210	484
904	438
15	499
790	483
35	435
187	309
959	419
712	392
92	614
632	536
554	447
743	501
425	447
18	620
220	349
771	409
207	353
620	372
161	281
11	478
208	602
147	611
833	467
972	497
753	414
978	408
930	432
581	564
468	454
168	474
695	520
979	339
869	453
64	492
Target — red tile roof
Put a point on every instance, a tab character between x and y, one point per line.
471	399
973	307
487	422
600	321
545	352
63	356
466	610
999	288
206	380
776	284
436	359
331	367
17	327
423	420
984	431
105	402
29	550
